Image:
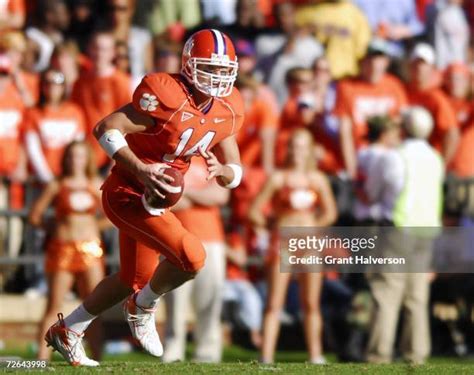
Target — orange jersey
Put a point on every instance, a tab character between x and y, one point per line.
98	97
257	118
289	199
359	100
437	103
463	110
56	128
180	128
203	221
291	120
234	271
11	122
12	131
13	7
463	162
71	200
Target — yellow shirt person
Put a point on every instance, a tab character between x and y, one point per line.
342	28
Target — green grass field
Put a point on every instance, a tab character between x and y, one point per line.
240	361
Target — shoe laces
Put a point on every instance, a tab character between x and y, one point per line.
74	340
142	318
77	350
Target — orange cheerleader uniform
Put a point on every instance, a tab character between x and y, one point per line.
73	256
286	201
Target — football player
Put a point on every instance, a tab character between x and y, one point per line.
171	119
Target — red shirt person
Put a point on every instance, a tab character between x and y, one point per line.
51	126
101	89
373	93
18	91
424	92
457	80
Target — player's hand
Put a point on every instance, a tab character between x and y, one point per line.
155	180
214	167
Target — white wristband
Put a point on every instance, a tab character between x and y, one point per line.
112	141
237	169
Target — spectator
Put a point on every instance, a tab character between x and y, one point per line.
459	192
310	105
457	87
167	57
23	84
102	89
469	11
373	93
198	211
297	192
394	21
122	60
325	126
451	34
289	47
18	90
74	251
138	40
51	126
168	13
377	187
241	231
246	54
296	112
457	77
423	9
342	28
66	59
391	291
256	138
273	40
256	141
12	14
249	22
422	91
84	19
220	12
52	20
240	293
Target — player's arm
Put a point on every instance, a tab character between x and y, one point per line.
111	131
227	168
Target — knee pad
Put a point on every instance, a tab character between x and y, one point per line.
193	255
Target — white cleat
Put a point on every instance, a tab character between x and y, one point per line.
143	327
318	361
68	343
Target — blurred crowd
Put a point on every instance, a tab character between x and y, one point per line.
358	76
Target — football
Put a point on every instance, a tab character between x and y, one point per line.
171	198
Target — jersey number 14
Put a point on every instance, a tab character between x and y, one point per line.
203	143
